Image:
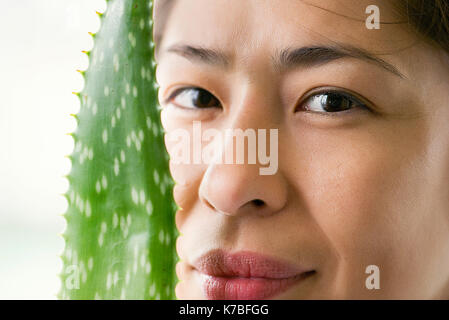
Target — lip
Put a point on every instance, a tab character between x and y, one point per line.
245	275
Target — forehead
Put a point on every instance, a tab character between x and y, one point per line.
245	26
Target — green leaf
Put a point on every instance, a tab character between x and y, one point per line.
120	236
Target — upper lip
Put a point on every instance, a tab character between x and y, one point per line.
245	264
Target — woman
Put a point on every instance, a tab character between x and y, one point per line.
355	115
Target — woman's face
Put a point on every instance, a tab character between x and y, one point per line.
362	150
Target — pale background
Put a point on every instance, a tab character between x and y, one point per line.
40	49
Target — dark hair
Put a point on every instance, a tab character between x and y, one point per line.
429	18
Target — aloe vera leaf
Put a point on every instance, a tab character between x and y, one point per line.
120	235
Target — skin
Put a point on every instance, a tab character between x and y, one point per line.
368	187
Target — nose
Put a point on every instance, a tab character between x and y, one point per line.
239	189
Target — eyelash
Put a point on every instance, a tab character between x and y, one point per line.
354	102
187	89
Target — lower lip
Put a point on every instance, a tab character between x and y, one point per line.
235	288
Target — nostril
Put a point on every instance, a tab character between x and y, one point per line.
209	204
258	202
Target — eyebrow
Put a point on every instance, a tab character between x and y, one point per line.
286	59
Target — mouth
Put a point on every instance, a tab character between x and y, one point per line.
246	275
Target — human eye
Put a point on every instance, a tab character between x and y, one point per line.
331	102
193	98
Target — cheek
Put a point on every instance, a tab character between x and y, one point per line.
179	145
365	193
186	174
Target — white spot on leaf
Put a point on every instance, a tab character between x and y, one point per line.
134	195
104	227
108	281
104	182
116	62
132	39
156	176
141	136
100	239
115	220
88	209
90	263
142	196
127	88
161	236
167	239
149	208
79	146
152	290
